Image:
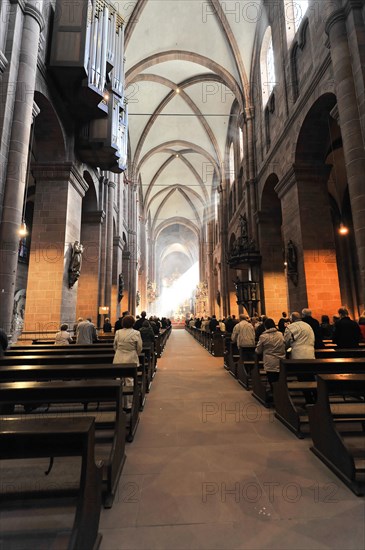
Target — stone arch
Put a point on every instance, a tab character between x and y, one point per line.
49	136
314	172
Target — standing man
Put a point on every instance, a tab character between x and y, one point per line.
346	332
243	334
299	336
86	332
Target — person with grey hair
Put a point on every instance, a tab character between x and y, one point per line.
86	332
307	318
299	337
346	333
243	334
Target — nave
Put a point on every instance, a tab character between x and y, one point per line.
198	476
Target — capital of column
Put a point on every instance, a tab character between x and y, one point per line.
350	5
31	8
335	17
299	173
249	113
66	171
3	62
21	3
112	184
96	217
118	243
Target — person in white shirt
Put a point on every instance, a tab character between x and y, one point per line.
299	336
62	337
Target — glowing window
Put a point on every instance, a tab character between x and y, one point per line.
295	10
267	64
231	164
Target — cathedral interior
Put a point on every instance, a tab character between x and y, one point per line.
196	150
187	158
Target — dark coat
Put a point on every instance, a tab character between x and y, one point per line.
314	324
346	333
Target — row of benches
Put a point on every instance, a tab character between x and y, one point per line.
77	395
323	397
211	341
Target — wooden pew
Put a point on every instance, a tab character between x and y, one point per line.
70	357
342	449
290	406
56	437
111	447
61	371
245	366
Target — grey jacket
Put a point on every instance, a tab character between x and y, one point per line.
271	344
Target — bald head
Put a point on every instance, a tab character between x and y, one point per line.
295	316
306	312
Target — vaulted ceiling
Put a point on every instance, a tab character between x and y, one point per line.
187	61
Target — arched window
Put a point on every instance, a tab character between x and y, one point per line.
231	164
267	64
241	144
295	10
216	204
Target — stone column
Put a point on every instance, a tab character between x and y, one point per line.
354	10
56	226
307	223
17	161
88	285
117	268
109	245
251	183
274	282
103	245
352	138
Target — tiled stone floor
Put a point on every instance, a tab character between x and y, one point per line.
210	468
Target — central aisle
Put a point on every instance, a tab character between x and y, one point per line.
210	468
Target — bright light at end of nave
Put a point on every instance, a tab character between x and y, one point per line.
172	298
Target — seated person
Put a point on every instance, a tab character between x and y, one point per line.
107	327
62	337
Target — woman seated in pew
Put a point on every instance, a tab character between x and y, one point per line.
147	334
127	345
272	346
63	337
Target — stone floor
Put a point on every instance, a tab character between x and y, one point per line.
210	468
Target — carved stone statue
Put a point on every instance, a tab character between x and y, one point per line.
75	263
120	287
243	225
292	262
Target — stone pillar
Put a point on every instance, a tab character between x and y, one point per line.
307	223
103	245
88	285
17	161
251	183
275	298
352	138
117	268
56	226
109	245
354	10
224	252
